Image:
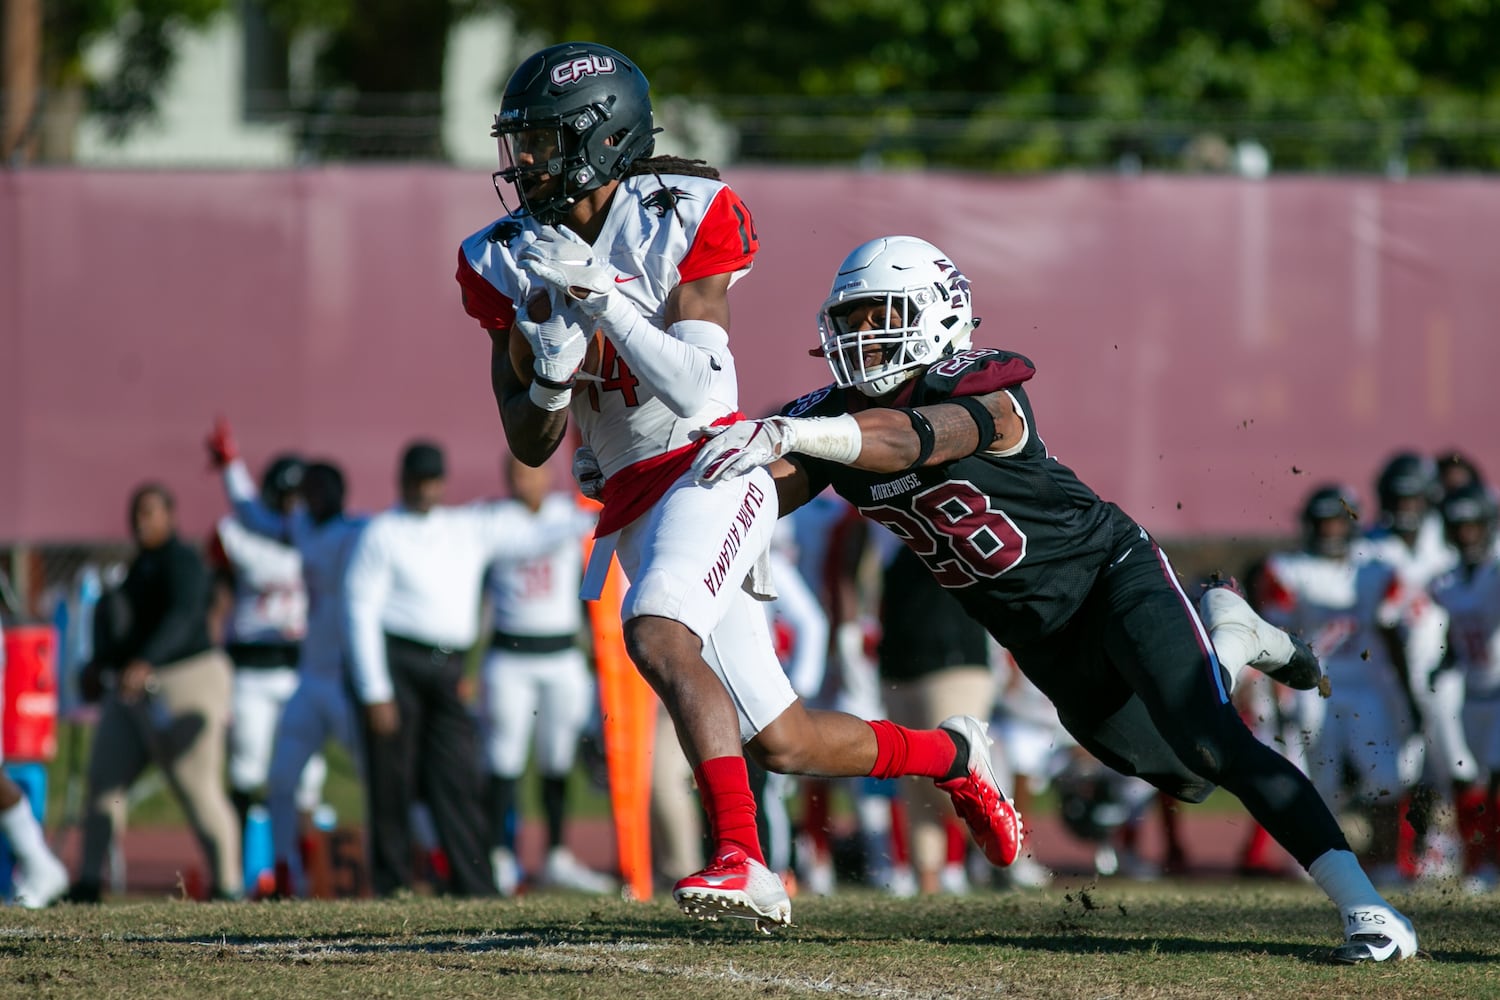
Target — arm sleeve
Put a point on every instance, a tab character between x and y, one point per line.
366	584
259	560
686	365
186	582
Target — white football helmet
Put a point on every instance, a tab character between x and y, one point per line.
923	313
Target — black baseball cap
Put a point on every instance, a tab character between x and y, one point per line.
422	460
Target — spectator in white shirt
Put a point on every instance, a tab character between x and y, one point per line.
413	593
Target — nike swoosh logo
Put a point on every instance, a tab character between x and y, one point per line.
620	281
1121	557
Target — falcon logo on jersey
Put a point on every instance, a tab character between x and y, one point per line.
503	232
664	200
576	69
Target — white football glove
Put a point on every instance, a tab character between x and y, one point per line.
734	449
561	260
587	474
558	344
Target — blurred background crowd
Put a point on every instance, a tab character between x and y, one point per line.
441	652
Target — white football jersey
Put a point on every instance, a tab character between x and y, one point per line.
1339	606
659	233
537	594
270	602
1472	600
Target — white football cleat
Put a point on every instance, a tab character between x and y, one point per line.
563	870
507	871
977	798
1278	654
1375	934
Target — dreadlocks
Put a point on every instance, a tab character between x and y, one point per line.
658	165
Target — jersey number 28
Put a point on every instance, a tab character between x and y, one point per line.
952	529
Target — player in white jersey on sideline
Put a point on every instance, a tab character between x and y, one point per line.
536	686
612	276
1470	594
1408	534
320	707
1348	604
263	631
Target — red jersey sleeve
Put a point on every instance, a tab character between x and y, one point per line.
482	300
725	241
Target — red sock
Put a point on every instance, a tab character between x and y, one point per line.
1257	852
724	786
923	753
958	843
1469	812
815	816
900	833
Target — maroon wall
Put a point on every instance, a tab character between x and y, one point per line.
1208	349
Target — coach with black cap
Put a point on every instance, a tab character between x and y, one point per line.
413	590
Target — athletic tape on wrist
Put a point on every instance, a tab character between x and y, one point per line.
926	437
984	420
549	395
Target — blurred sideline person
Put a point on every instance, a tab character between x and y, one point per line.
1470	594
934	662
1349	606
536	689
39	879
1408	536
413	588
608	240
320	707
938	441
799	629
264	630
166	700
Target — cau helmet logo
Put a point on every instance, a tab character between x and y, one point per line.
576	69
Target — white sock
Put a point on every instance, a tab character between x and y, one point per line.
1339	875
24	832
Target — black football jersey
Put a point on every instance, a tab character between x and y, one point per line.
1019	539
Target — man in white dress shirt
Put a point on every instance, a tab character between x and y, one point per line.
413	593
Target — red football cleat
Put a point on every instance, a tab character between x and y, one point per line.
735	886
976	795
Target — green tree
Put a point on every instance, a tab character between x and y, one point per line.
1042	83
146	30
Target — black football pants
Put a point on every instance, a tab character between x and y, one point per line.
434	752
1135	681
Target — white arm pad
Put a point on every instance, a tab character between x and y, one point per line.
687	365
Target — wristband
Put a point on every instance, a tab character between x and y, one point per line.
926	437
984	420
550	396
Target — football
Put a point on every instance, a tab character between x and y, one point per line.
522	359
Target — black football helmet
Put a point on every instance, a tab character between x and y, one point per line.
1325	509
1406	490
282	481
1464	506
573	117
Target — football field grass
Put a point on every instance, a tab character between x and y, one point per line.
1190	939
